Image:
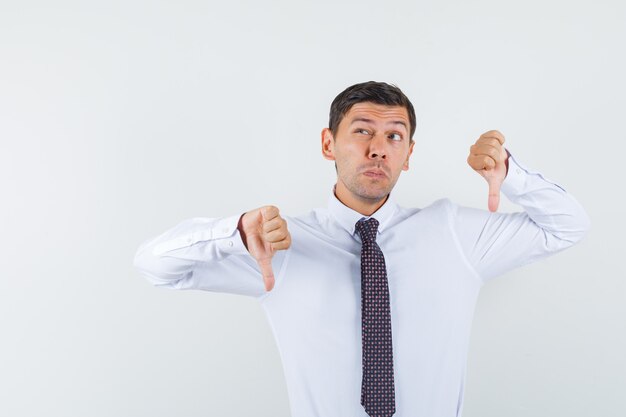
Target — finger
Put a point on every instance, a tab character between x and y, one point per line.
494	152
493	134
275	235
276	223
269	212
495	142
481	162
265	265
282	245
494	196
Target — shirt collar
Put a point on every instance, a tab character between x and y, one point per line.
347	217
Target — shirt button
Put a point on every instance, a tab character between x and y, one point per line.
230	243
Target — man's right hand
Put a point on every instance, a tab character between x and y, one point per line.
263	232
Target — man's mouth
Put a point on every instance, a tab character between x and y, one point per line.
375	173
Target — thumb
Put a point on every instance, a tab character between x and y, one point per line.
265	265
494	195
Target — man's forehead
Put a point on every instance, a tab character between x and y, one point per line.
367	110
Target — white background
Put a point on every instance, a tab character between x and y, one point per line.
120	119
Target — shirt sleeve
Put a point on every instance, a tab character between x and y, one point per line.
203	253
495	243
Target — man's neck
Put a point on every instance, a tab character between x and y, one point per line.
366	207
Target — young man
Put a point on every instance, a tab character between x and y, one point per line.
371	303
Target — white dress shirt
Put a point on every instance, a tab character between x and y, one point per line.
437	258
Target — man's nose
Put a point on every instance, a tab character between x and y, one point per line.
378	145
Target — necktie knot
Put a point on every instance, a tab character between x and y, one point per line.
367	229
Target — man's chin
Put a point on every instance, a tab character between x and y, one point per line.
369	191
374	195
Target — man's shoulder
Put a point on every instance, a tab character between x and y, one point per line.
435	217
321	217
313	217
437	205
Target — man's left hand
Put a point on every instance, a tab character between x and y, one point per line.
489	158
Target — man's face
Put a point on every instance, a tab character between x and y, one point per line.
371	147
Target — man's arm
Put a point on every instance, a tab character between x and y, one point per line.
493	242
210	254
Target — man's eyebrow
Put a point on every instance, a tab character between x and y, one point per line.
400	122
366	120
361	119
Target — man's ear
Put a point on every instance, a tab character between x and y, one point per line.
405	167
328	144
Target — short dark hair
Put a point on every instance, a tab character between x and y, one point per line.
373	92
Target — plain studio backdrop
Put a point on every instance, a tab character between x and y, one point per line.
120	119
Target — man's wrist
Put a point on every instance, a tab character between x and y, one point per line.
241	232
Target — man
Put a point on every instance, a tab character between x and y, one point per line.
371	303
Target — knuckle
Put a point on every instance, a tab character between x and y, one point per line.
498	135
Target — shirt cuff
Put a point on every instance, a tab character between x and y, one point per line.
515	176
228	237
223	233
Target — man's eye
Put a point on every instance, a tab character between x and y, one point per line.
395	136
363	131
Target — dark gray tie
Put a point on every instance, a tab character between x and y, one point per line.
377	387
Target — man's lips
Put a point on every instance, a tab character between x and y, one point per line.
375	173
